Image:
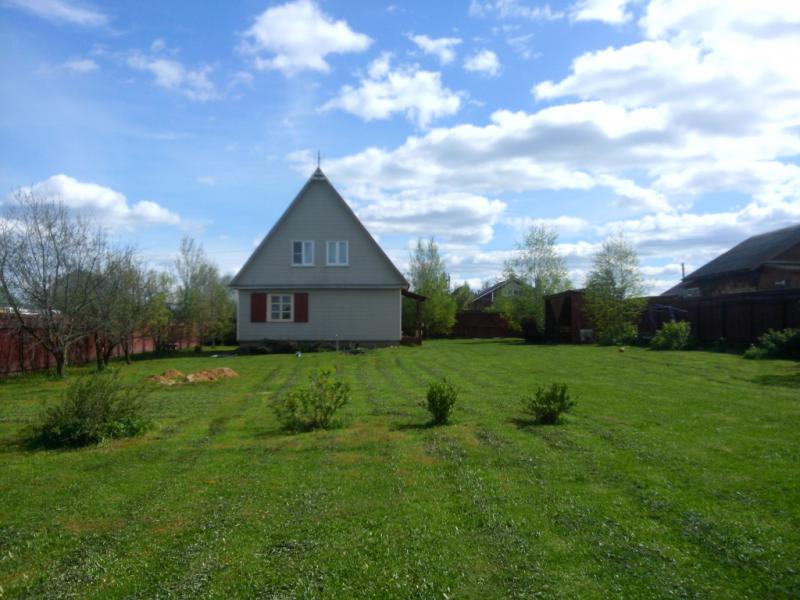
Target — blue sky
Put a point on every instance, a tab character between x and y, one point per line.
674	122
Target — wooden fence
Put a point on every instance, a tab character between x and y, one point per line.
480	324
735	318
19	352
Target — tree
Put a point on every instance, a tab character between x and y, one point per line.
158	317
48	265
538	270
205	303
614	290
429	277
463	295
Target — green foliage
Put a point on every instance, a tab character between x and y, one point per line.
540	270
784	343
673	335
463	295
441	397
549	403
92	409
313	406
614	288
429	277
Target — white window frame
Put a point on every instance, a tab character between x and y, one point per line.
269	308
303	256
328	262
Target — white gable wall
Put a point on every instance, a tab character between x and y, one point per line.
319	215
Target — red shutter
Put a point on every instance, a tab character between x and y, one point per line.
258	307
301	308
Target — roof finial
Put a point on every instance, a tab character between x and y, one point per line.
318	157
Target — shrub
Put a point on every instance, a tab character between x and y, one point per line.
531	331
549	403
673	335
617	335
776	344
442	395
313	406
92	409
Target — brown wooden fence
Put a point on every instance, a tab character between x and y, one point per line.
19	352
735	318
480	324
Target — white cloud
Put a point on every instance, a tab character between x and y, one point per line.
609	11
62	11
562	225
458	218
207	180
409	90
441	48
110	207
298	36
81	65
484	61
172	75
513	9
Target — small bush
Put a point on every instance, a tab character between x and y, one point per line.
618	336
531	331
673	335
442	395
92	409
549	403
313	406
776	344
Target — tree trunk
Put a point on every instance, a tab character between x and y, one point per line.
60	357
98	353
126	350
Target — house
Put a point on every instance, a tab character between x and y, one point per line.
319	276
769	261
485	298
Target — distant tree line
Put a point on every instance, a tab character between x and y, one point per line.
614	288
62	281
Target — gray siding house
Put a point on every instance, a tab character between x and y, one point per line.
319	275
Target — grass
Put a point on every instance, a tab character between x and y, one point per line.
676	475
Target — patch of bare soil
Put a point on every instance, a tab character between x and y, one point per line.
173	376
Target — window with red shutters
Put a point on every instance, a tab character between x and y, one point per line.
258	307
301	308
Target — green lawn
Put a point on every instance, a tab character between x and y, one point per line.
677	475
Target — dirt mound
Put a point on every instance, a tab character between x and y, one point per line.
173	376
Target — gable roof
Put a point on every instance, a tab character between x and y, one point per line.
318	176
751	253
493	288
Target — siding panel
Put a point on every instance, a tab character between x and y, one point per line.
346	315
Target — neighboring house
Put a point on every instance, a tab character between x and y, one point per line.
319	275
769	261
485	298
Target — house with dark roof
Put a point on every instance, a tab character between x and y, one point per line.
764	262
484	299
319	276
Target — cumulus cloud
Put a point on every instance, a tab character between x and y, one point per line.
562	225
612	12
62	11
705	103
108	206
441	48
484	61
384	91
298	36
454	217
172	75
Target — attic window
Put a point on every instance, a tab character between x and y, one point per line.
302	253
337	254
